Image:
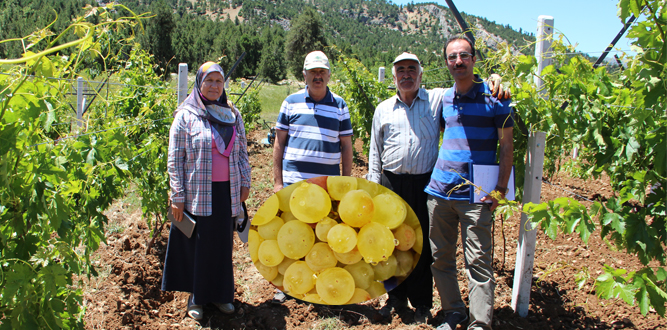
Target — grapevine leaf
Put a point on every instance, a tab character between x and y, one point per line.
90	159
50	117
16	278
7	138
642	295
581	278
658	298
640	237
611	284
631	148
121	164
585	229
624	9
572	223
54	276
616	222
661	274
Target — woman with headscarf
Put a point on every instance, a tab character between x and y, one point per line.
209	176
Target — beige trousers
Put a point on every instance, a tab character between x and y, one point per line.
475	220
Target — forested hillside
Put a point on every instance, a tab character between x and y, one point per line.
192	31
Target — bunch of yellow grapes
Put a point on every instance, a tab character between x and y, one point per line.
335	240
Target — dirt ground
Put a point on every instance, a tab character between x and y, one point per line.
127	293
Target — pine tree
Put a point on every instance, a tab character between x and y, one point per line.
306	35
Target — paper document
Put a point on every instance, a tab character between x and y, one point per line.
486	177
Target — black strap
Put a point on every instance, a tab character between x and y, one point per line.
241	226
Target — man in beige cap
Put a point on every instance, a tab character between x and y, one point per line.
313	132
403	152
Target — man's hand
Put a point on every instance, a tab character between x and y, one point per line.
277	187
245	191
177	210
497	89
494	202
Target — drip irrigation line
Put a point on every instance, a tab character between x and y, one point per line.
567	191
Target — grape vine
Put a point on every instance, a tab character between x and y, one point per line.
618	122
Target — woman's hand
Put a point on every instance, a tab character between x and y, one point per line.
245	191
177	210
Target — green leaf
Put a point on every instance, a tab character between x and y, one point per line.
624	10
640	237
90	158
16	278
581	277
661	274
611	284
642	296
631	148
616	222
53	276
585	229
657	297
121	164
7	138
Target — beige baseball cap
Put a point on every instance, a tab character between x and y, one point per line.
316	59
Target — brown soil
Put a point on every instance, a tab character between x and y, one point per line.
127	293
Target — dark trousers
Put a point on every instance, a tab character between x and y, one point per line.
202	264
418	286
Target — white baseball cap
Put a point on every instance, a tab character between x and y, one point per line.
407	56
315	60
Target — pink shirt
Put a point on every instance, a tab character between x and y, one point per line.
220	162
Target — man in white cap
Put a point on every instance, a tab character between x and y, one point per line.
313	132
403	152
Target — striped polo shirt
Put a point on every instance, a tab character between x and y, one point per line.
471	125
314	131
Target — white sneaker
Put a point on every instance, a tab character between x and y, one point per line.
195	311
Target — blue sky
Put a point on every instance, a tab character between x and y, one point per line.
592	24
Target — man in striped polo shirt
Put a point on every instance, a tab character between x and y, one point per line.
313	132
475	123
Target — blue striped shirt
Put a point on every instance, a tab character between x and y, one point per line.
314	131
471	125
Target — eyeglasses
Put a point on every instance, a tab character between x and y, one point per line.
463	55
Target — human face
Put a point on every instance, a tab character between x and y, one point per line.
317	80
407	77
212	86
459	68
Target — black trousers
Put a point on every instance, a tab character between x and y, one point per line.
202	264
418	286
